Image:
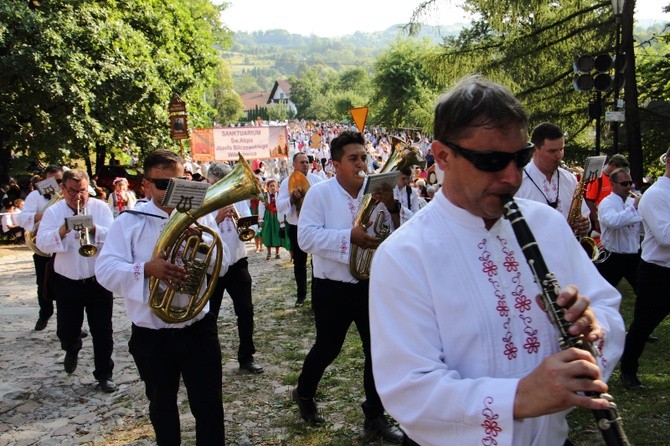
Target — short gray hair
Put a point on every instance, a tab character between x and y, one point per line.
218	170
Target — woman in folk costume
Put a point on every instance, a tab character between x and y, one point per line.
121	199
268	219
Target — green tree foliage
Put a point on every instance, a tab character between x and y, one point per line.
81	76
227	103
404	90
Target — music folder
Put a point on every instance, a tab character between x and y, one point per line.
48	186
79	222
184	195
374	182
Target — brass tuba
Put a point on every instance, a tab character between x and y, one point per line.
402	155
176	242
31	236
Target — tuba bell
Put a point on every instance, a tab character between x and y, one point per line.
177	242
402	155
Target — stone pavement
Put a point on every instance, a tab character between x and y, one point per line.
42	405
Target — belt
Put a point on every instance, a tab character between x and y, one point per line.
86	281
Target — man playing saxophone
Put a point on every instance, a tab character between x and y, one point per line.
163	352
325	230
75	284
30	216
545	181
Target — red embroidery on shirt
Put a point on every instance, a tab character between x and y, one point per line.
490	423
137	271
522	303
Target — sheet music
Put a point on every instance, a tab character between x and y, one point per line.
48	187
375	181
79	222
593	167
184	194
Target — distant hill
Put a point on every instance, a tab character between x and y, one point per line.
259	58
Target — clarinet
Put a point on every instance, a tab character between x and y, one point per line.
608	420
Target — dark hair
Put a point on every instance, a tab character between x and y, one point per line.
615	174
53	169
75	175
297	154
163	159
406	171
345	138
543	131
476	102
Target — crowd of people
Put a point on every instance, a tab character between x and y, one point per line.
449	312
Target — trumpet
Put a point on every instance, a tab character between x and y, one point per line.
633	194
86	247
243	225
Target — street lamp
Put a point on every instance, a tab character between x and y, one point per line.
617	7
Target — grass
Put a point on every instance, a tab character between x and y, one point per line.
259	410
644	411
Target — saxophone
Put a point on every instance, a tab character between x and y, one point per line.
594	250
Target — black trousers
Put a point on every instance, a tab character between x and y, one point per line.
336	305
619	266
73	297
43	299
193	353
651	307
299	262
237	281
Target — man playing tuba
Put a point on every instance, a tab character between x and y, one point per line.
75	284
164	352
325	230
30	216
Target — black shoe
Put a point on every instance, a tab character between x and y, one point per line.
631	381
70	363
41	323
83	334
300	301
107	385
251	367
380	427
308	410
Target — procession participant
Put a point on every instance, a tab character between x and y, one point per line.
75	285
462	352
545	181
652	304
287	205
600	188
163	352
620	224
31	214
121	199
325	230
237	280
268	219
404	193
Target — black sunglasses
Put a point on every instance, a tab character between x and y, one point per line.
624	183
161	183
493	161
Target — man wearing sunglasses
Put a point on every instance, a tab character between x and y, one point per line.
620	223
462	353
545	181
164	353
599	189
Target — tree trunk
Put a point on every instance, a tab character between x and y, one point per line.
100	156
632	124
5	161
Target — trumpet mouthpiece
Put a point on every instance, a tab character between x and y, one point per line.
361	174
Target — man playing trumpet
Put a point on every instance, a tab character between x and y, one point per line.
75	284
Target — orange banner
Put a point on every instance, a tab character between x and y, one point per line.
202	145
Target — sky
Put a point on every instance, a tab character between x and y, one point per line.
343	17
